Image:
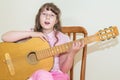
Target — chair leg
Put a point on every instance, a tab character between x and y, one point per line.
83	65
71	73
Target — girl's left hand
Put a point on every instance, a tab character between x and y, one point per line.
76	47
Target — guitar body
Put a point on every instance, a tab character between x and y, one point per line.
14	62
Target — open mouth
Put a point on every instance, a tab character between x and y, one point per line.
47	23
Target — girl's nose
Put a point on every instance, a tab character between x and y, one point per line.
47	16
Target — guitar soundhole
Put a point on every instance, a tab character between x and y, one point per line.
32	58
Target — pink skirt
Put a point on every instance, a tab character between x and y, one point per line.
45	75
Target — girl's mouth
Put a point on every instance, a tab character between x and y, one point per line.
47	23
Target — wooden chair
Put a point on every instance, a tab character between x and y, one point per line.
73	30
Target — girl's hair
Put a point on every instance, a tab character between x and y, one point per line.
50	7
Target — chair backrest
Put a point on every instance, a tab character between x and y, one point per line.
74	30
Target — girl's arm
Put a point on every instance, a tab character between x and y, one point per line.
66	60
13	36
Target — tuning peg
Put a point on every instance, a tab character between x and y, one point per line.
110	26
108	38
105	28
114	37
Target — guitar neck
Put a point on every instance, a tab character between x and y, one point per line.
102	35
62	48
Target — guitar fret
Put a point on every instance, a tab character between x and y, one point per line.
63	48
43	53
40	56
55	51
89	39
59	49
50	52
70	44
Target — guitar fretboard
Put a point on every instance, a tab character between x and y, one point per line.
62	48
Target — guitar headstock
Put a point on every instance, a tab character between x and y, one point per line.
107	33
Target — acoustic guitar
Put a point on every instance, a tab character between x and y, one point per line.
19	60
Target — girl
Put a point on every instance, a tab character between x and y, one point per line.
48	27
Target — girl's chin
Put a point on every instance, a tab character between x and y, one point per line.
46	25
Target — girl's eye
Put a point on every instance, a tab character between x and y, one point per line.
52	15
43	13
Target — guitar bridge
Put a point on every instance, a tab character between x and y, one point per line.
9	64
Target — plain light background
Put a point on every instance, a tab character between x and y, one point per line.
103	59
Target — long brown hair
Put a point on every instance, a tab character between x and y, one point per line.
50	7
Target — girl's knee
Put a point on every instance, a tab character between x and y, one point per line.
42	75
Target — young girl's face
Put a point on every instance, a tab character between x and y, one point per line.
47	20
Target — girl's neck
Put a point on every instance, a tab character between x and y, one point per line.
47	31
